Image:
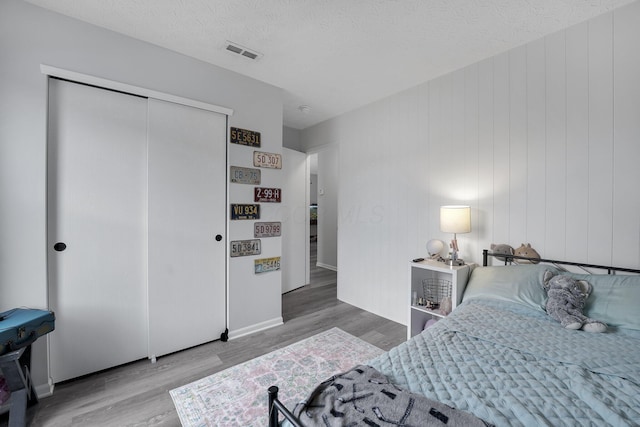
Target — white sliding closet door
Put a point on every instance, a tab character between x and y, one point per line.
187	220
97	179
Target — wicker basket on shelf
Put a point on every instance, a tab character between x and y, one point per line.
434	290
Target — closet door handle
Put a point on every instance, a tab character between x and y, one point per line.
218	237
60	246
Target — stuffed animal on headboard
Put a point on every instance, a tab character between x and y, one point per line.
566	300
526	251
499	249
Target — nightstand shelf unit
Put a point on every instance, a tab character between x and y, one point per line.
441	274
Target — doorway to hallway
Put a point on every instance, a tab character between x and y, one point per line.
319	276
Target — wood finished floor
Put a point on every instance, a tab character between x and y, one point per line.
318	276
137	394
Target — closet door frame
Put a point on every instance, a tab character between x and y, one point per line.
87	79
131	89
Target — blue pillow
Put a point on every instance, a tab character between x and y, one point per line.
521	284
614	300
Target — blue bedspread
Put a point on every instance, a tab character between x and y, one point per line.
514	366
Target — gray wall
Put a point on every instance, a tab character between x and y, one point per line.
541	141
30	36
291	138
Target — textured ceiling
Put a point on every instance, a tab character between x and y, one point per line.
336	55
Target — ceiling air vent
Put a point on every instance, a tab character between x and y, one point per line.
249	55
234	49
241	50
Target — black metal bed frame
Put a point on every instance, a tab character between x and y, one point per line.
276	407
508	259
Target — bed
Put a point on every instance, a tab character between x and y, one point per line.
501	359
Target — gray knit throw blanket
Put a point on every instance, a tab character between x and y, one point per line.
363	396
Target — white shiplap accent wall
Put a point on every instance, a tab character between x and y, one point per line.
626	131
543	141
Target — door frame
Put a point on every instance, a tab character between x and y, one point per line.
307	219
310	152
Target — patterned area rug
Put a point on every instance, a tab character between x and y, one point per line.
238	396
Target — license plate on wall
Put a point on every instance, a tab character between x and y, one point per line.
246	137
245	247
265	265
267	160
242	211
267	229
241	175
261	194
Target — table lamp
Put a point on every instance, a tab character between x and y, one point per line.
455	219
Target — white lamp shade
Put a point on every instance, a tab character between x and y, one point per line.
455	219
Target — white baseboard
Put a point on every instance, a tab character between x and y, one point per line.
328	267
255	328
44	390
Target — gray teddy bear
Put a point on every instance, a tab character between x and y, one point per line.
566	299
